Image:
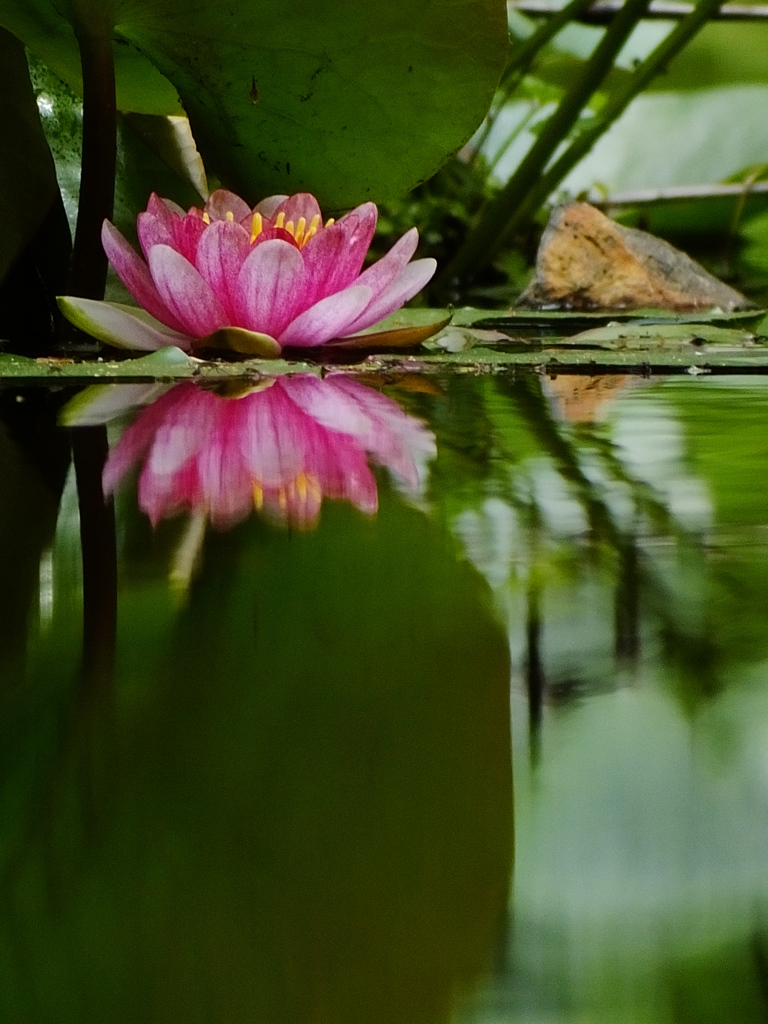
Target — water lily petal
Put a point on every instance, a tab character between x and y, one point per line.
222	250
302	204
119	325
335	255
268	207
269	286
183	290
170	206
135	275
408	282
187	232
382	273
328	318
155	225
221	202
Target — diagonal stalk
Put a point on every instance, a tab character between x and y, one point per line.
484	240
524	55
614	108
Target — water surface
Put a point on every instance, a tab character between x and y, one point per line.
284	788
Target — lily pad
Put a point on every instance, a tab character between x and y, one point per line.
350	101
649	336
542	323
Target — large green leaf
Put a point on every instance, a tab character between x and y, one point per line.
27	176
348	100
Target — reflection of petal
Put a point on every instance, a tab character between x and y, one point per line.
281	448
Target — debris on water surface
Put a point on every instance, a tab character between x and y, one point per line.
586	261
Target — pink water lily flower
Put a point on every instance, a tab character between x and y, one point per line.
275	272
279	449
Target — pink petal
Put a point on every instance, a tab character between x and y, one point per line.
220	256
382	273
303	204
221	202
189	298
335	255
328	318
170	205
268	207
152	231
135	275
155	226
187	232
269	285
408	282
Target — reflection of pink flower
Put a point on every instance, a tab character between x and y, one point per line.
281	449
276	270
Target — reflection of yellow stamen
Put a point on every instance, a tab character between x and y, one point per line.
301	486
282	498
299	232
331	220
256	226
258	495
280	220
206	219
230	215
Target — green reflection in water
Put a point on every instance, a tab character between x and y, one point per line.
641	881
295	806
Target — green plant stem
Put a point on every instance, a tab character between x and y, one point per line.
88	278
97	178
615	107
525	54
484	240
521	125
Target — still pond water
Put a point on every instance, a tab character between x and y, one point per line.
484	739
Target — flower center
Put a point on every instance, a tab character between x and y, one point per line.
300	232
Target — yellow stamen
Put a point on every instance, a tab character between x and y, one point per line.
314	224
206	219
256	227
300	229
280	219
230	215
289	227
258	495
331	220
